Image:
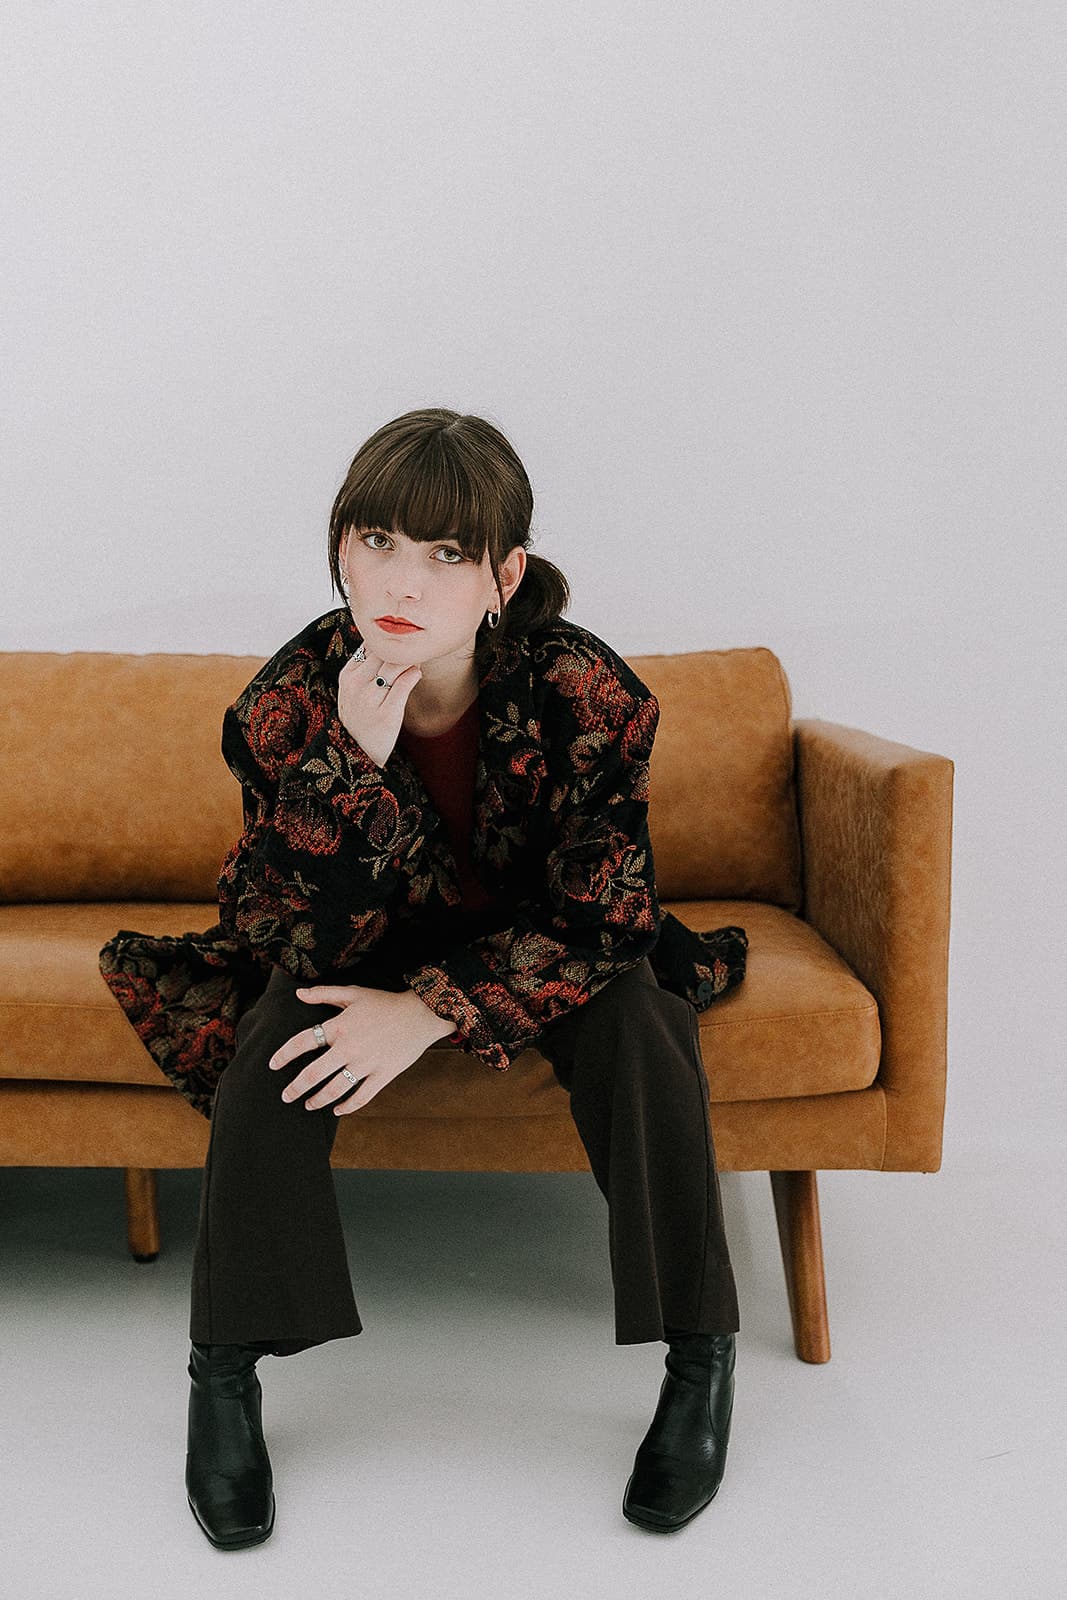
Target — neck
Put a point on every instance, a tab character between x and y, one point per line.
437	701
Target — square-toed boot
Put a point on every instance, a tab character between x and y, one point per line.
228	1475
680	1462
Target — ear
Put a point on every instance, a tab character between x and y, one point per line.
511	573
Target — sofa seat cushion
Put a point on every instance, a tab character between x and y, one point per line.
801	1024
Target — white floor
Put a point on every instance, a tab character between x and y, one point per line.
476	1438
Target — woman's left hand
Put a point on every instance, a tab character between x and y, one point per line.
377	1035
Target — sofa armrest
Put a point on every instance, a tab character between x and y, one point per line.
876	841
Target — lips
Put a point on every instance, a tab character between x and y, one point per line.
397	625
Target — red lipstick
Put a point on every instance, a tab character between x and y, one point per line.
397	625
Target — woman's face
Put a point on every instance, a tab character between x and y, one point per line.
434	585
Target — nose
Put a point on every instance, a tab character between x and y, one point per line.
403	578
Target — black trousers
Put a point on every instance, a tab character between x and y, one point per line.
270	1266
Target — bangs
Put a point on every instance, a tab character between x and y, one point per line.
423	489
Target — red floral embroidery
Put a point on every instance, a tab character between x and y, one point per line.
340	860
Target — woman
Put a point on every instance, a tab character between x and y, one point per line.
445	791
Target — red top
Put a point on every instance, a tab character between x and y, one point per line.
446	763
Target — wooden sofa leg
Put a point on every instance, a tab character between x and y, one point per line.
142	1213
796	1206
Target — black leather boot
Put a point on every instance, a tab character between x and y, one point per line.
228	1475
680	1461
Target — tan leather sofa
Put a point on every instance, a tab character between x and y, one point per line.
830	846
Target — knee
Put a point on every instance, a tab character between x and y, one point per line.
278	1014
271	1021
633	1025
637	1004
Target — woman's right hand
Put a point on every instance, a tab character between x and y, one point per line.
373	716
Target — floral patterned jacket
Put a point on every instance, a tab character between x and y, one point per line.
342	861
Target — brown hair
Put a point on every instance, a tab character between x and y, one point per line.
434	474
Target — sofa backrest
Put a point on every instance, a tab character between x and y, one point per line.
722	810
113	786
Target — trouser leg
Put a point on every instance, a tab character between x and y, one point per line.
630	1059
270	1265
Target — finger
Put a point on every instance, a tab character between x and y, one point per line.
298	1045
368	663
366	1091
312	1075
374	665
405	681
324	994
401	682
338	1085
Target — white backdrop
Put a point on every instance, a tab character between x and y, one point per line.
768	296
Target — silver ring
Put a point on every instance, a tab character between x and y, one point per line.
319	1035
360	652
382	684
346	1074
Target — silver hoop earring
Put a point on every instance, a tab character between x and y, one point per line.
489	615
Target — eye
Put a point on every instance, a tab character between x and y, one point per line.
448	549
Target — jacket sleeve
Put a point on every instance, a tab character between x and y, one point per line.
329	837
598	914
